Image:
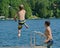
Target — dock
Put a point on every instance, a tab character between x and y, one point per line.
40	47
25	47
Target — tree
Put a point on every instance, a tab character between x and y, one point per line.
0	8
5	4
39	8
27	8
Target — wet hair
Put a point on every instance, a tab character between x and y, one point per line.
47	23
21	7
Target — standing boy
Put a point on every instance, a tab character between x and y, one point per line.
48	34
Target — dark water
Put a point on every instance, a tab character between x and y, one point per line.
8	32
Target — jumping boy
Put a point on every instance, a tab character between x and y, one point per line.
48	34
21	19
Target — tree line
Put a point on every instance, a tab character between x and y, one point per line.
38	8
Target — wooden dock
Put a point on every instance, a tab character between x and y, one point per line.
40	47
25	47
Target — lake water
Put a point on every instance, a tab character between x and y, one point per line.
8	32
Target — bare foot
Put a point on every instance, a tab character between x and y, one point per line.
19	35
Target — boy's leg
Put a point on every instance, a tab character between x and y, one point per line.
19	30
19	33
26	25
49	44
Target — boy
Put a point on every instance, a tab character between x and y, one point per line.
48	34
21	19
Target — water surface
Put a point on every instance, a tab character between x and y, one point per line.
8	32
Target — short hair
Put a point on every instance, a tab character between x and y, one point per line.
21	7
47	23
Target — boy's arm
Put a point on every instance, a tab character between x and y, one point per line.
15	17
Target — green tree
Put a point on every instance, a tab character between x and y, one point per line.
5	4
0	7
39	8
27	8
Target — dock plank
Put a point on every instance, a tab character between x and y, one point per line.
40	47
25	47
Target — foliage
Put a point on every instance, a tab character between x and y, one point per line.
38	8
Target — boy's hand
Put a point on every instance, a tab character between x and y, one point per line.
46	41
15	18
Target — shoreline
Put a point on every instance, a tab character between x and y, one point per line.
32	19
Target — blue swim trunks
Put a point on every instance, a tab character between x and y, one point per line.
49	43
20	23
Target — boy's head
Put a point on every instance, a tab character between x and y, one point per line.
47	23
21	7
